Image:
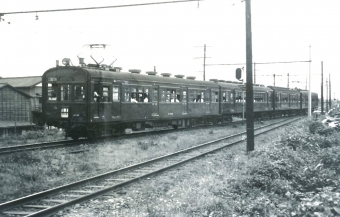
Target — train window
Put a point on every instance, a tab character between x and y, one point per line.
140	94
146	95
284	97
105	93
192	96
133	94
270	95
126	94
277	97
214	96
184	99
96	92
202	96
115	94
173	95
239	96
79	93
231	97
52	91
64	112
65	92
155	95
259	97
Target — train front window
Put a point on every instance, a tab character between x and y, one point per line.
65	92
52	92
79	93
64	112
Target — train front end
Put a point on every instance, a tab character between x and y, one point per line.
64	93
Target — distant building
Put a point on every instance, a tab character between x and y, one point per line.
31	86
15	110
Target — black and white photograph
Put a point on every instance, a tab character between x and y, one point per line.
162	108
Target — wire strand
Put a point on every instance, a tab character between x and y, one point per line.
103	7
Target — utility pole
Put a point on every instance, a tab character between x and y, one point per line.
330	92
204	57
326	95
254	74
249	84
310	86
288	80
321	87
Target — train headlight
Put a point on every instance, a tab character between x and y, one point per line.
66	61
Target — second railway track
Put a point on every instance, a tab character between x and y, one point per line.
51	201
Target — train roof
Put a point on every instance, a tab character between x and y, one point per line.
284	89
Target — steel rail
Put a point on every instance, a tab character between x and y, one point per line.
54	209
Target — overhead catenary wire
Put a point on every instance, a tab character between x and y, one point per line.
231	64
94	8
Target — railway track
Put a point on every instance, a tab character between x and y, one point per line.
51	201
68	143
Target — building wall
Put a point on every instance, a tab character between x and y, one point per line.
14	106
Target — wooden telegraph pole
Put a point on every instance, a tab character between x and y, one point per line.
249	84
321	87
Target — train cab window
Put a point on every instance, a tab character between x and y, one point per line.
105	93
65	92
155	95
52	91
64	112
79	93
115	94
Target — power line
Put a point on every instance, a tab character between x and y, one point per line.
231	64
92	8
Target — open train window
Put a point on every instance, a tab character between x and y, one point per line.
52	91
79	93
214	96
65	92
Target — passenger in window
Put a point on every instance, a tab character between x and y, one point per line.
178	98
146	99
134	98
96	96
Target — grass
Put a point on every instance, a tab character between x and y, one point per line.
292	172
28	172
30	137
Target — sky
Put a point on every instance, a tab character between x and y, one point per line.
171	37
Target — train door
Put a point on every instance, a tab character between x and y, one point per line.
207	98
184	100
116	99
155	100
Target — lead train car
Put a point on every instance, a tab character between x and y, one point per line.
93	102
90	102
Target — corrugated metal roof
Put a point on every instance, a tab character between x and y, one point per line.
22	81
15	89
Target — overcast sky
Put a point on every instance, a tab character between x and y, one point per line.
172	36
